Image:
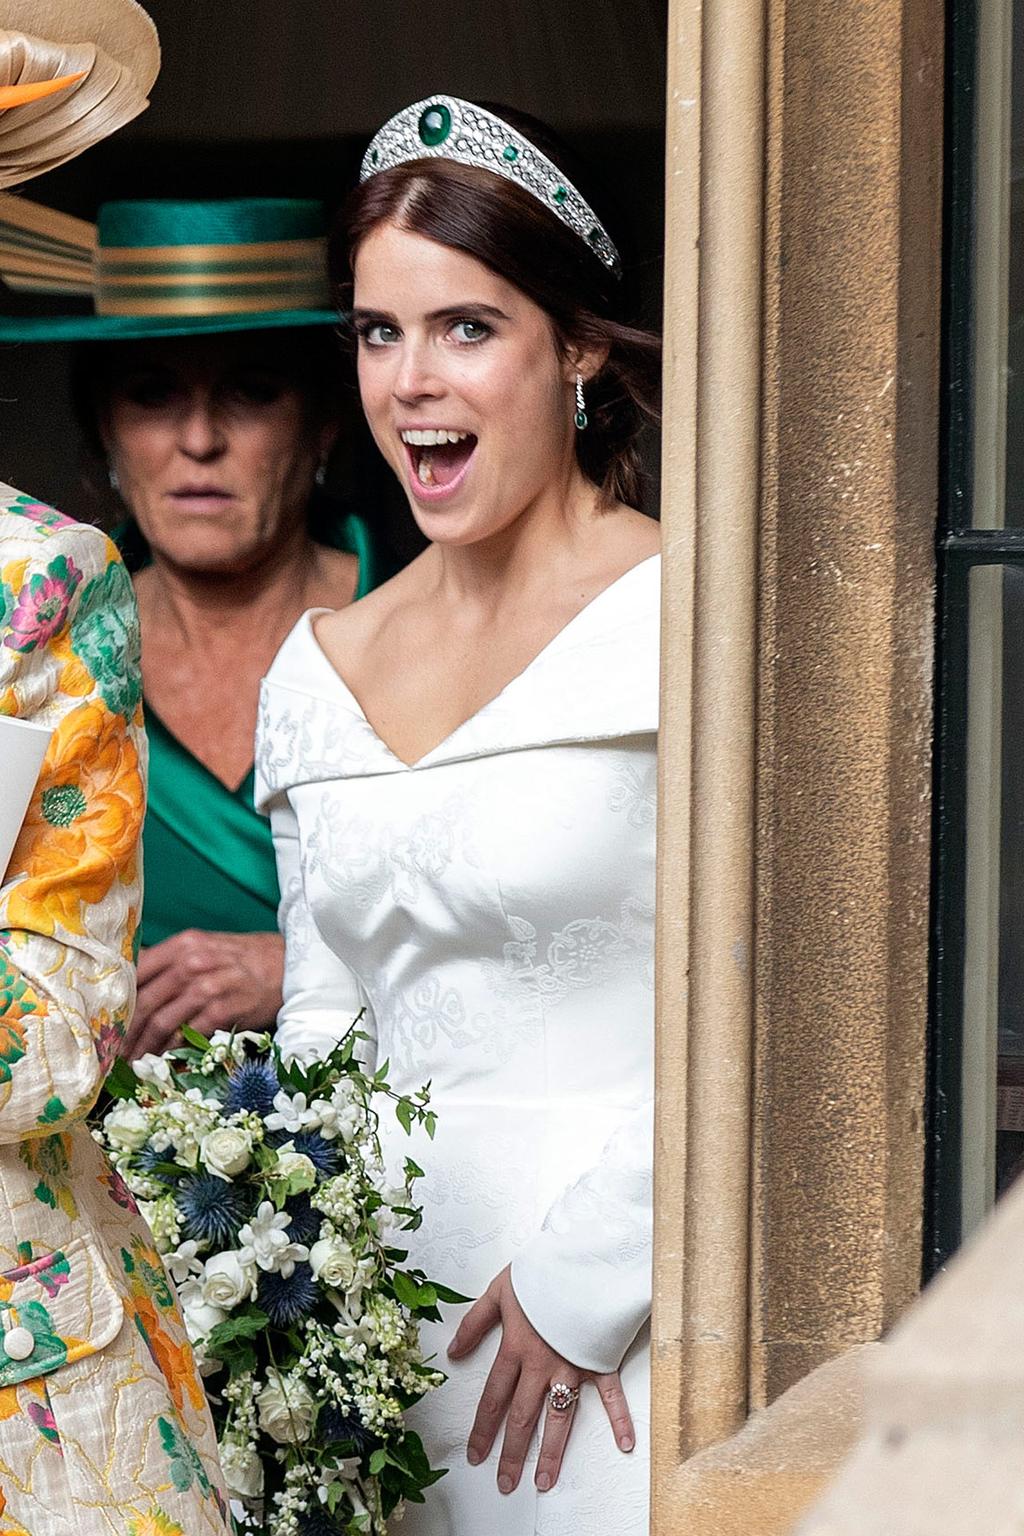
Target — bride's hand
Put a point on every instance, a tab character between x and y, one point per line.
517	1388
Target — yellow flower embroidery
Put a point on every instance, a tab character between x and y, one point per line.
131	923
156	1523
151	1294
81	829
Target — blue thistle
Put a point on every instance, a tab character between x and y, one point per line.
252	1087
212	1210
146	1160
286	1301
305	1223
334	1425
324	1155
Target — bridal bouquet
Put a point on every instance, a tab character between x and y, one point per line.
264	1187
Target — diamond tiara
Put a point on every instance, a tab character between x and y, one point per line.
446	128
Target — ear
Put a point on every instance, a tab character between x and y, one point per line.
326	438
587	361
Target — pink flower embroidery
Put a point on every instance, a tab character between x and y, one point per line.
43	1419
109	1037
118	1190
42	605
52	1271
38	512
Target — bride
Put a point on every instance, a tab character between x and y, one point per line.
460	774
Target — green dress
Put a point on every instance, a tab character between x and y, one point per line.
207	853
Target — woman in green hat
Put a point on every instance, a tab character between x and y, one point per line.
208	382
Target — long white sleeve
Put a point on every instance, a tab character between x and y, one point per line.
584	1281
322	996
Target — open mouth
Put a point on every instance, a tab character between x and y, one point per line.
438	457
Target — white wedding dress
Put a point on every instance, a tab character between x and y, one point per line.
492	908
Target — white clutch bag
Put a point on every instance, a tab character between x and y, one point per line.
22	749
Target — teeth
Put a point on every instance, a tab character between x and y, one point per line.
425	470
432	437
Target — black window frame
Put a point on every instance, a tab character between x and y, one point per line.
961	548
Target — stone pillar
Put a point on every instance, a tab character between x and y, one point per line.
790	1095
849	512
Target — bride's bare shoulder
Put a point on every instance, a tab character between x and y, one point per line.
355	629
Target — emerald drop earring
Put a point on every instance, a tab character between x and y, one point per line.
581	406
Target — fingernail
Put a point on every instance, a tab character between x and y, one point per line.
504	1483
626	1444
473	1457
543	1482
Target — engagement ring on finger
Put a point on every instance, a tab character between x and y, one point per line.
562	1396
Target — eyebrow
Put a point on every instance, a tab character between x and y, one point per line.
450	312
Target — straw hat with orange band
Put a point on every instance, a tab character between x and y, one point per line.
71	72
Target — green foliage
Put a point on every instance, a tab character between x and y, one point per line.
121	1081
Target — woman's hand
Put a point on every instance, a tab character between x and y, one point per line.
523	1373
209	981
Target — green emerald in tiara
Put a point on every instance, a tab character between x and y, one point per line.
510	153
435	125
559	196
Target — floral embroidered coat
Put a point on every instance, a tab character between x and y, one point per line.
104	1426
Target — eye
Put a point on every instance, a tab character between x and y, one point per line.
150	391
256	386
377	333
467	331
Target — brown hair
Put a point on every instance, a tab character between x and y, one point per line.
472	210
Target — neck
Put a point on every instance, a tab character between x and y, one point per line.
543	544
211	607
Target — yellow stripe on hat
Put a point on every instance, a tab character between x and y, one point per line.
213	304
115	258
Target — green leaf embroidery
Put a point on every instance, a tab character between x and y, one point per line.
55	1109
186	1468
105	635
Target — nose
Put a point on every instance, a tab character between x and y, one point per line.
416	377
200	433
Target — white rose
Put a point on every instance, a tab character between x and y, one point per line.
243	1470
286	1409
227	1281
201	1317
333	1262
127	1127
294	1165
226	1152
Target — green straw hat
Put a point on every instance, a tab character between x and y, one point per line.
158	268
